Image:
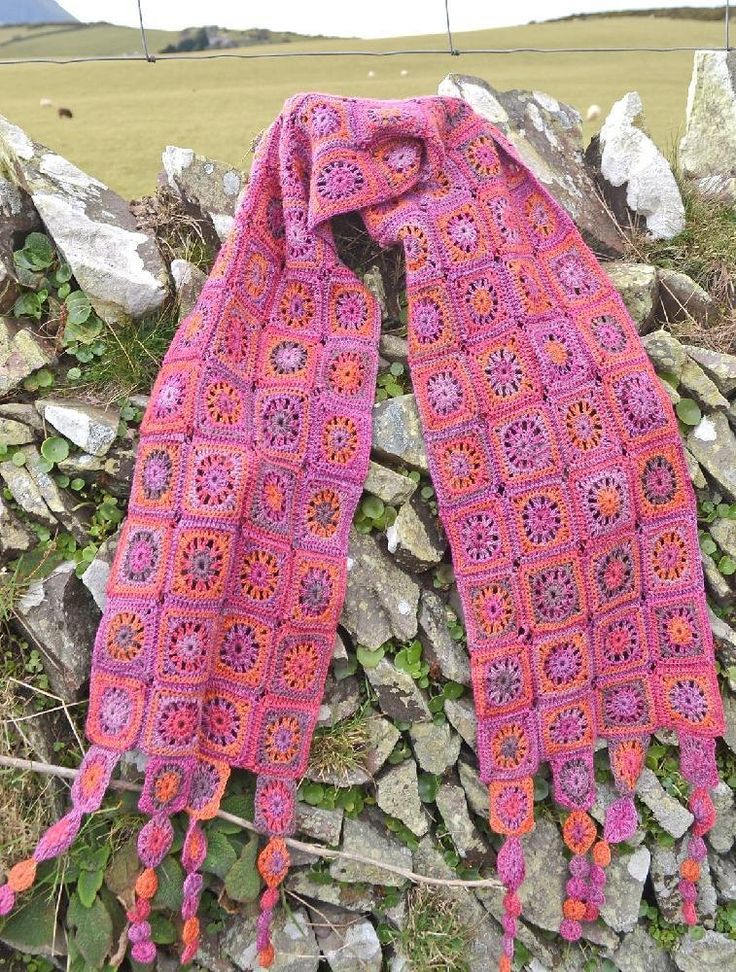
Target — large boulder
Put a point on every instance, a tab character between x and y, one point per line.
548	136
118	266
707	151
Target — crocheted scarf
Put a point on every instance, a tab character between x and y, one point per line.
560	479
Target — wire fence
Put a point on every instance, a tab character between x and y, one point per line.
450	50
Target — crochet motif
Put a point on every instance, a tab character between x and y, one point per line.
559	473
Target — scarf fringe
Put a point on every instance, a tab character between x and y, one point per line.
698	767
511	871
87	793
193	854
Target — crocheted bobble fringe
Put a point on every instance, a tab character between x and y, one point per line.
559	474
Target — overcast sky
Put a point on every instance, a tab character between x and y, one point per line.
377	18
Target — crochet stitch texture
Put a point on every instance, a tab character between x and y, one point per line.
559	473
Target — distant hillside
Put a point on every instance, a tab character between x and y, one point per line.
673	13
34	12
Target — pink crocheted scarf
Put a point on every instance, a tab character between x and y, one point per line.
561	484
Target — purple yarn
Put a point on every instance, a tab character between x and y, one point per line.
688	890
154	841
7	899
508	923
697	849
507	943
570	929
510	863
263	928
597	876
189	906
143	952
579	867
596	896
576	888
139	931
193	885
621	821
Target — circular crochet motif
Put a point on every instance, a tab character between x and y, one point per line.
480	536
176	723
243	647
142	555
296	308
609	333
339	180
351	311
510	746
669	556
554	593
186	646
482	155
157	473
259	575
323	513
584	425
125	636
563	662
481	301
214	480
526	445
678	631
639	403
493	608
347	373
542	519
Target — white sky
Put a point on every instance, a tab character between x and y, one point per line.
346	18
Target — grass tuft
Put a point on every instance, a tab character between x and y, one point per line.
337	750
436	934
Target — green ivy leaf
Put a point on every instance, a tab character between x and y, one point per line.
29	304
78	307
163	931
93	936
38	251
170	884
688	411
30	927
44	378
55	449
372	507
220	855
313	793
242	881
88	884
727	565
368	657
73	374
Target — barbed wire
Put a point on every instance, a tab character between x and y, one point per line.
450	51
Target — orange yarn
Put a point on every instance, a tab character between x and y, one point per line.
579	832
146	884
22	875
266	955
602	853
690	869
190	931
573	908
504	964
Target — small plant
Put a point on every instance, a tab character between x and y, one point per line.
338	749
436	933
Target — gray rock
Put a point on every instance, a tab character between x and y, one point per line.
59	615
92	429
723	532
708	147
397	794
724	639
705	391
397	433
714	952
682	299
351	897
713	444
722	834
214	186
348	942
293	940
668	812
453	808
188	282
639	952
631	162
625	877
694	471
25	492
461	714
399	696
723	871
639	288
729	709
476	791
340	700
665	874
321	824
665	351
392	487
392	347
440	649
116	264
96	575
381	600
436	747
548	136
361	836
36	492
718	366
14	433
23	412
373	281
414	539
718	585
15	539
21	351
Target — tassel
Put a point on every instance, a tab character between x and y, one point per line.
154	842
275	816
583	887
698	767
193	854
511	871
88	790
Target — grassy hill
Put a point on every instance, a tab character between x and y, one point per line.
125	113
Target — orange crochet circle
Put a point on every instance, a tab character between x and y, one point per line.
146	884
573	908
579	832
22	875
602	853
690	869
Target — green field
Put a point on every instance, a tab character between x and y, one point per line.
125	113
